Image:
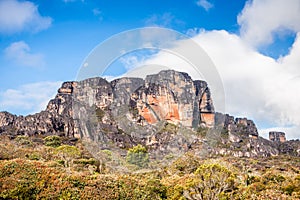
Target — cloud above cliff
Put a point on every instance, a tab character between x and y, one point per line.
28	98
20	53
256	86
17	16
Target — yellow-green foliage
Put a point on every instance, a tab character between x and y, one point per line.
67	153
33	172
169	128
210	181
186	164
52	141
138	156
23	140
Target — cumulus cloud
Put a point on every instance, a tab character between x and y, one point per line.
29	98
20	53
17	16
256	86
205	4
261	20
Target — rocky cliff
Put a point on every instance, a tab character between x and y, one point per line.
167	112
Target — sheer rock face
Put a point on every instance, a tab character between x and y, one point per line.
174	97
128	111
167	96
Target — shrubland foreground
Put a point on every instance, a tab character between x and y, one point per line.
55	167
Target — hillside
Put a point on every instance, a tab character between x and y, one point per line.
161	136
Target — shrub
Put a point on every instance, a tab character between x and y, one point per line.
202	131
184	165
33	156
211	181
67	153
170	128
84	161
52	141
23	140
138	156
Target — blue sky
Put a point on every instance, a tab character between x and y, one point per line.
254	44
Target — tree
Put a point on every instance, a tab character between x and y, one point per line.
67	154
211	181
138	156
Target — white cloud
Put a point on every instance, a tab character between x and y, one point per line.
17	16
29	98
130	62
19	52
205	4
261	20
163	20
256	86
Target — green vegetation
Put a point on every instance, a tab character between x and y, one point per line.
37	171
67	154
169	128
52	141
211	181
23	140
99	114
138	156
202	131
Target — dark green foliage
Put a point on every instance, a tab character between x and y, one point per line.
134	111
202	131
84	161
99	114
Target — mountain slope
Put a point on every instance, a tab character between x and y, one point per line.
168	112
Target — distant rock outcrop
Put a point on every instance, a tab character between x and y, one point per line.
277	136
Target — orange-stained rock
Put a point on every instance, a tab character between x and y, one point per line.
148	115
175	97
208	119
